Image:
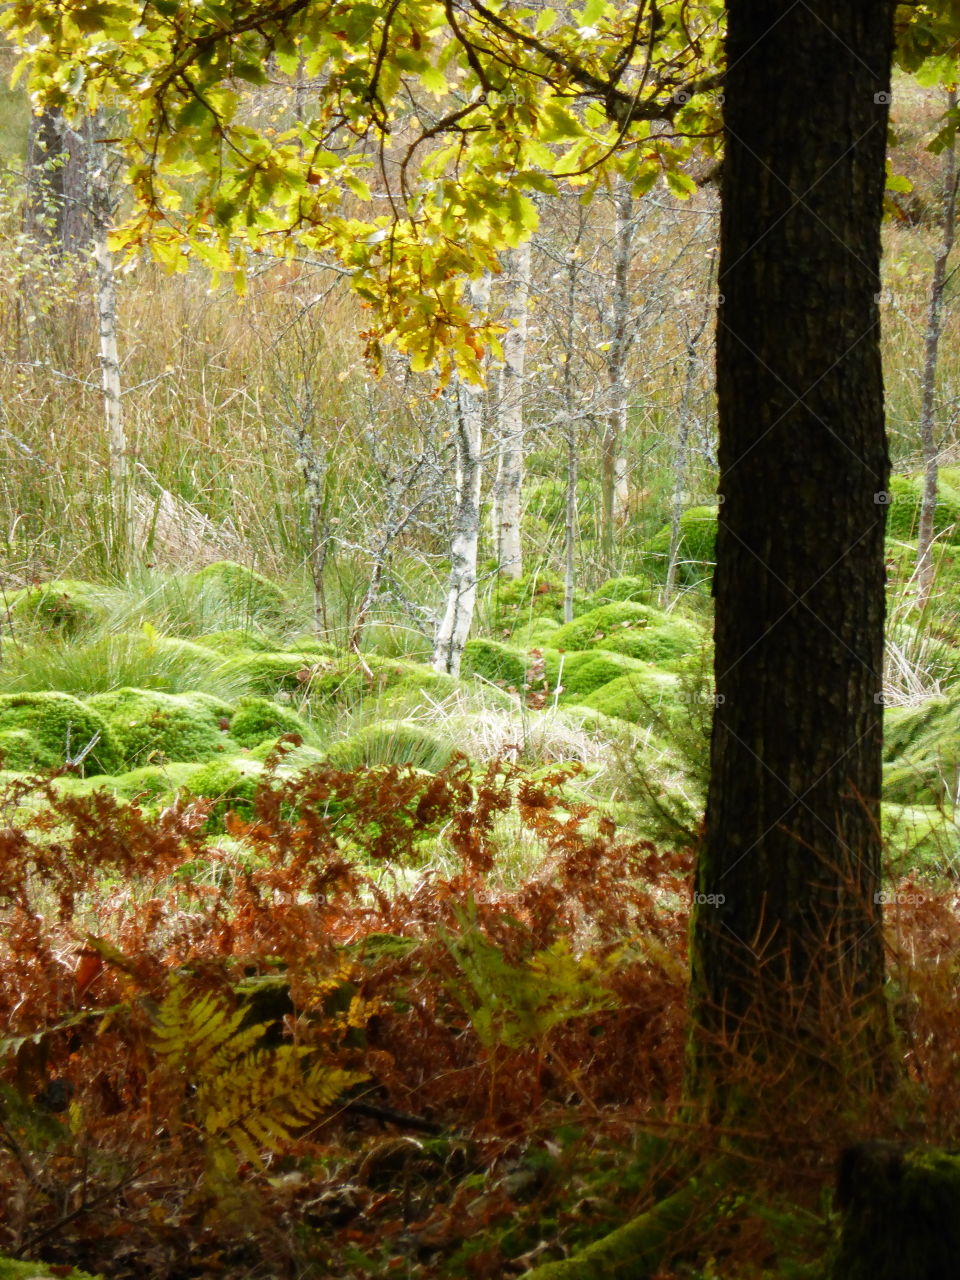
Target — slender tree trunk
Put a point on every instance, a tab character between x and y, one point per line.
462	590
570	430
58	173
313	467
928	442
118	457
508	484
787	956
614	493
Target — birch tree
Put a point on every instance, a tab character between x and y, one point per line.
468	411
614	490
507	509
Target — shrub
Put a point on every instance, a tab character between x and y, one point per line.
150	727
59	726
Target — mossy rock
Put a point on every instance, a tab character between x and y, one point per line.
903	512
247	593
150	726
640	697
582	678
59	724
64	607
257	720
270	673
594	629
237	641
231	784
626	587
499	663
17	1269
391	742
515	602
696	551
153	782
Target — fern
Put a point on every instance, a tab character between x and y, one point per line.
243	1097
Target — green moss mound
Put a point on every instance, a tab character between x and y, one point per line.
151	727
230	784
257	720
597	627
581	678
58	725
640	697
271	673
515	602
696	551
243	591
627	587
499	663
64	607
391	742
153	782
903	511
235	641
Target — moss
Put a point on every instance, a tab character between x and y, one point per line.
294	758
594	629
22	750
238	641
247	593
230	784
269	673
628	587
150	726
59	724
391	742
16	1269
919	838
535	634
903	513
582	678
696	551
515	602
668	643
257	720
153	782
494	661
641	697
64	606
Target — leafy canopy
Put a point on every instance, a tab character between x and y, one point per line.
403	141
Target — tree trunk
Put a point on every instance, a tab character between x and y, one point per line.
462	590
121	495
787	963
570	428
507	503
58	172
613	463
928	442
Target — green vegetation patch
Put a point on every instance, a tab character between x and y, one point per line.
594	629
57	727
16	1269
903	513
642	697
495	661
245	592
270	673
583	677
230	784
696	551
627	587
391	742
515	602
257	720
151	727
64	607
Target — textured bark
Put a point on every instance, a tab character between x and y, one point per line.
928	503
570	429
110	376
507	496
614	492
786	938
58	171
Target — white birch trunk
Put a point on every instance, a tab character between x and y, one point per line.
615	492
507	495
457	617
118	457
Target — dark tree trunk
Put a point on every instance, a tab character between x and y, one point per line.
787	939
58	171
